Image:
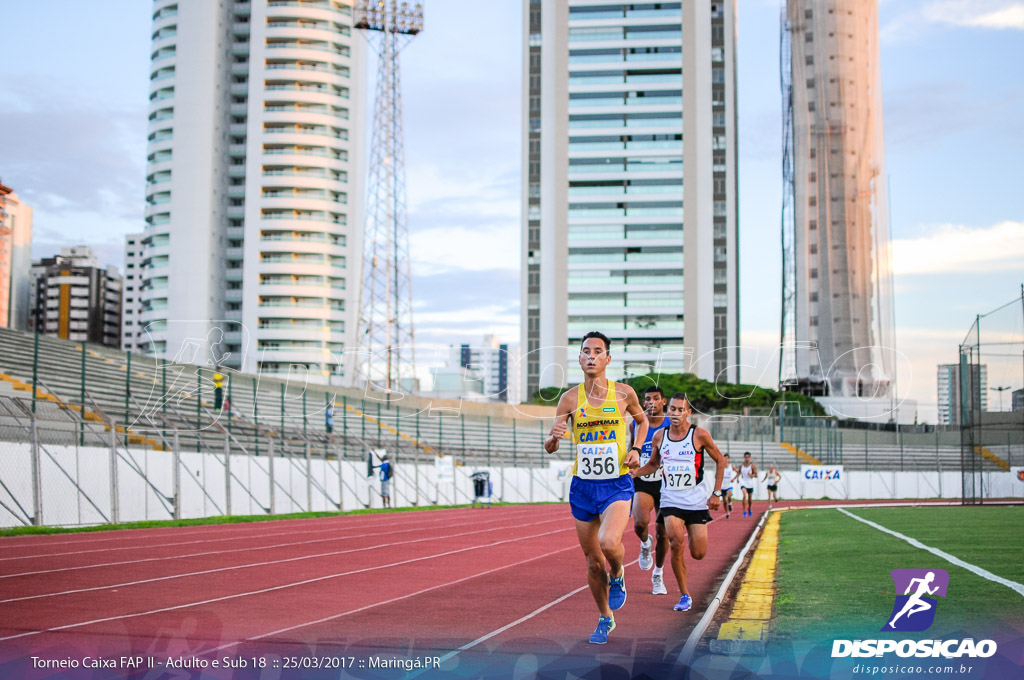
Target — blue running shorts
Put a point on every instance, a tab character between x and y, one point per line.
588	498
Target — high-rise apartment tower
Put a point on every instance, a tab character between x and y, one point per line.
629	222
254	193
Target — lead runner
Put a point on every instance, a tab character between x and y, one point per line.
601	493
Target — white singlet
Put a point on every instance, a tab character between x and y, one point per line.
730	472
682	467
747	476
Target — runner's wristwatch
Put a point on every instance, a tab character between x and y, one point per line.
718	492
635	448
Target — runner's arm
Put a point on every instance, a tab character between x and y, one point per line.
654	462
561	424
708	444
640	418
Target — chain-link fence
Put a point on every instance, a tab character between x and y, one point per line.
62	465
985	397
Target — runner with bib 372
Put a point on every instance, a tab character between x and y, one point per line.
679	452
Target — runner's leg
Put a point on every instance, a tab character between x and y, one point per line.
597	566
661	545
698	540
676	530
612	525
643	504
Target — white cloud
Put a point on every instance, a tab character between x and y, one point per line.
998	14
952	248
439	249
470	315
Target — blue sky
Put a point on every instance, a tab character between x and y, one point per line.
73	96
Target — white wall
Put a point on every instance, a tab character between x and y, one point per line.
203	489
412	485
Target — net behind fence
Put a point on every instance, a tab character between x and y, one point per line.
986	398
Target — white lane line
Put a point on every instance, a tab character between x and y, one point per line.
240	529
978	571
179	543
396	599
286	560
222	552
507	626
283	586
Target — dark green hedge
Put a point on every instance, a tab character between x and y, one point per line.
706	396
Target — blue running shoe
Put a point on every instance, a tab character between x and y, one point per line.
684	604
605	625
617	592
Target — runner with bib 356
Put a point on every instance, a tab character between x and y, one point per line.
602	490
679	452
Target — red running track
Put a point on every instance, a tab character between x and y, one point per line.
466	584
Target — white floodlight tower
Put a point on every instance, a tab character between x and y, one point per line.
386	339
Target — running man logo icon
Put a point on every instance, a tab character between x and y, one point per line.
914	610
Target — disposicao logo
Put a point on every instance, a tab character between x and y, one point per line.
914	611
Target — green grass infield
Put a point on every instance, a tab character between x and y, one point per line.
833	572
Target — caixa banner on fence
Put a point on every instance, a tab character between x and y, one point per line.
822	480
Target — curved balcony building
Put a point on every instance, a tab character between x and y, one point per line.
254	190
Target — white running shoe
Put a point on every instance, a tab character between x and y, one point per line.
646	561
658	584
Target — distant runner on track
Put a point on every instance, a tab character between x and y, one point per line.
680	451
647	493
773	477
730	473
601	492
747	477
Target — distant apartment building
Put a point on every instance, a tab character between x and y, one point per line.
132	330
254	185
630	199
949	390
495	363
1017	400
74	298
15	259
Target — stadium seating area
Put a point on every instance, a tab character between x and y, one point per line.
151	402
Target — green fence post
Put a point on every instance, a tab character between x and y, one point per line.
344	423
898	433
199	405
127	393
282	416
515	445
35	370
379	426
163	397
866	449
304	390
231	402
462	423
440	434
81	426
488	441
398	411
255	415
